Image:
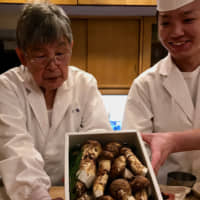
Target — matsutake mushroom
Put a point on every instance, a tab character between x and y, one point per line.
106	155
85	196
113	147
87	172
141	195
80	188
104	165
106	197
120	189
139	183
91	150
127	174
136	166
99	184
110	172
118	166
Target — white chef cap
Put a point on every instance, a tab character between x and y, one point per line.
167	5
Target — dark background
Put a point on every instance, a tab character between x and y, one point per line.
8	58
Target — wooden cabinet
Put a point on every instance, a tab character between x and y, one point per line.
92	2
118	2
113	51
13	1
146	35
108	49
68	2
80	47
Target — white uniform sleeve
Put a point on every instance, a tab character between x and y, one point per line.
95	116
39	193
21	165
138	112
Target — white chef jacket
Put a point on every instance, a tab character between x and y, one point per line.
159	101
32	152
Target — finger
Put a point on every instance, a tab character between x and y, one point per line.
156	160
147	137
156	171
156	168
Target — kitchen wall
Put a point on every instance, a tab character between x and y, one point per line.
115	105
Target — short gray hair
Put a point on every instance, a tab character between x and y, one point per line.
42	23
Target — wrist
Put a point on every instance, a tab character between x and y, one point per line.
177	143
172	138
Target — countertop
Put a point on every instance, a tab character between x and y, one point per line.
54	192
57	192
60	192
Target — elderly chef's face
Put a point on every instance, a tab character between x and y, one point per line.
179	31
48	63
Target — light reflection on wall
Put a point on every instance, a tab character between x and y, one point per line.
115	105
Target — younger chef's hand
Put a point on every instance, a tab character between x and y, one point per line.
59	198
161	144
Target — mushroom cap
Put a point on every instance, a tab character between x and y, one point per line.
113	147
139	183
118	167
80	188
125	150
119	185
91	149
106	197
106	155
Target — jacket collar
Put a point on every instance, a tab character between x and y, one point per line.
166	66
175	84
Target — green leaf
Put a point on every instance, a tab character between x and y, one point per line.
74	164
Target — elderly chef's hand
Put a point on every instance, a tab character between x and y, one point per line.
59	198
161	144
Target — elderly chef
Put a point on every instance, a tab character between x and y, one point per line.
41	101
166	97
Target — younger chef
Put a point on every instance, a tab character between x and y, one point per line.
166	98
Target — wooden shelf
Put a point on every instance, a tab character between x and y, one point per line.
93	2
118	2
13	1
63	2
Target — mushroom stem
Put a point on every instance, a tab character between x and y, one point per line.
136	166
141	195
87	172
99	185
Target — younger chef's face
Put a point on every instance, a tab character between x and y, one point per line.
179	31
48	63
